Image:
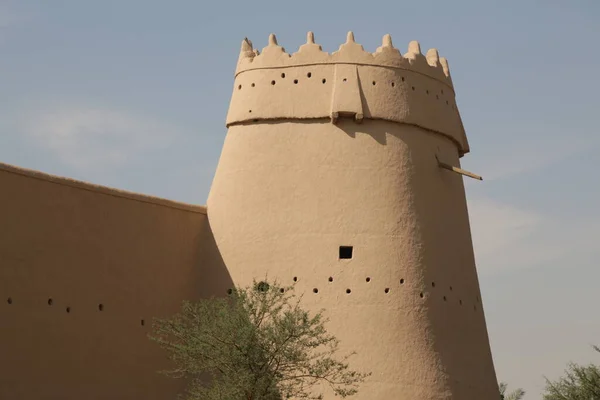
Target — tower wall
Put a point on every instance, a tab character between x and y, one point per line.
348	157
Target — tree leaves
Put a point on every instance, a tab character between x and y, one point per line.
516	394
256	344
580	382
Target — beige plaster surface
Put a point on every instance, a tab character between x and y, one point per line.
295	184
81	246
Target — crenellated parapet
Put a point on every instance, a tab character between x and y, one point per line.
275	56
412	88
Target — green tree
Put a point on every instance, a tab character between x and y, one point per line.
255	344
516	394
580	382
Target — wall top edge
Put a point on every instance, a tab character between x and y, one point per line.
77	184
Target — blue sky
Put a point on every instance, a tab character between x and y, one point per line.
133	94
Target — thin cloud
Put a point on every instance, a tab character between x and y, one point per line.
506	237
497	227
508	159
13	12
7	19
96	139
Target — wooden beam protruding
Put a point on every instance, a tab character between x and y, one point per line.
459	170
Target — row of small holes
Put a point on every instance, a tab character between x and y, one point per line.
368	279
345	80
68	309
413	89
387	290
273	82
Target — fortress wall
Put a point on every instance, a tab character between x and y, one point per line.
83	270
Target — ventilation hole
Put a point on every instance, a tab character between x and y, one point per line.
9	300
450	288
239	87
296	81
344	80
432	284
324	80
272	82
442	91
295	279
427	91
281	290
460	302
402	79
474	308
68	309
315	290
368	279
437	97
249	111
142	322
348	291
374	83
421	295
50	301
413	88
229	291
402	281
101	307
446	102
478	299
393	84
345	252
262	286
331	279
309	74
253	85
387	290
445	298
283	75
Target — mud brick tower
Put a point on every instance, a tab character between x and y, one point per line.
330	176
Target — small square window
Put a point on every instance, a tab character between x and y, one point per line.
345	252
